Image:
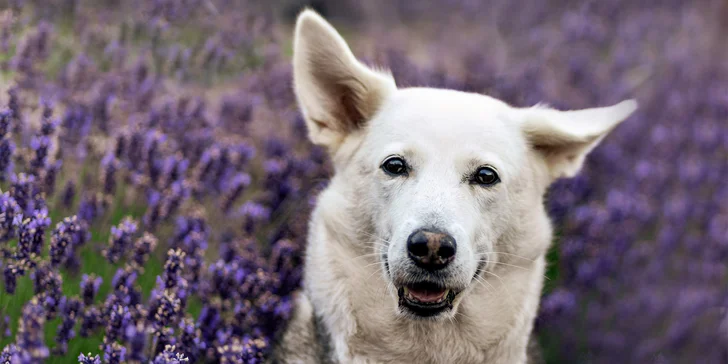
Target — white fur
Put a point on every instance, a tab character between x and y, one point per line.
365	214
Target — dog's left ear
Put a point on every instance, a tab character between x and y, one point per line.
336	93
564	138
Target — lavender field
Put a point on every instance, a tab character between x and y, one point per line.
156	175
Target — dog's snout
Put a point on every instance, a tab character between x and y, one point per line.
431	250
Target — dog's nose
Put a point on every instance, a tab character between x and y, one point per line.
431	250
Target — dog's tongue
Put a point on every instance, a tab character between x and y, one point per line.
427	296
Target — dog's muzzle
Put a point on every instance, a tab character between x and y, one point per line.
431	252
426	299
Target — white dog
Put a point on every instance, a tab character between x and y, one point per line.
428	244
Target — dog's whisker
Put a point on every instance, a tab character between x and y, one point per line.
380	269
504	253
390	287
510	265
510	297
360	231
371	264
483	282
364	256
460	312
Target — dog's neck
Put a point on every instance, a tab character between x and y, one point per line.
358	308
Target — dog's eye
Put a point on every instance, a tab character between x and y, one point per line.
395	166
486	176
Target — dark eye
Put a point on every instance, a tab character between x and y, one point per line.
486	176
395	166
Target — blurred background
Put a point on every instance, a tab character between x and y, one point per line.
156	175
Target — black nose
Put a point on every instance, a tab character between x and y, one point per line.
431	250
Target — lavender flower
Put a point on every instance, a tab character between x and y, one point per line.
120	240
235	189
40	146
69	193
91	320
6	327
23	190
92	206
88	359
142	248
170	356
47	285
114	353
7	147
118	319
10	354
63	239
190	340
173	268
89	287
109	167
13	270
649	201
30	341
10	216
70	310
253	215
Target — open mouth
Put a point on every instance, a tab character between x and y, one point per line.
426	299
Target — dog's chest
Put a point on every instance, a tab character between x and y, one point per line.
405	343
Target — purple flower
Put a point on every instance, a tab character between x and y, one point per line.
254	350
91	320
123	285
253	215
92	206
120	240
172	199
231	352
174	169
190	340
117	320
7	146
47	284
153	214
167	308
109	167
6	326
30	340
63	239
143	247
173	268
114	353
170	356
24	191
68	194
10	354
31	233
90	285
40	146
234	190
10	216
70	310
136	336
88	359
209	322
14	269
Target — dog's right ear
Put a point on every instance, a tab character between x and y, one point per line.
337	94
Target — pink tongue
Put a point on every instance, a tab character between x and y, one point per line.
427	296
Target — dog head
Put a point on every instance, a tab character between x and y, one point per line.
445	184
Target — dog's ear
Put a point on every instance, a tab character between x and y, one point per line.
337	94
564	138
